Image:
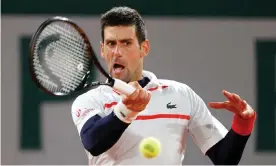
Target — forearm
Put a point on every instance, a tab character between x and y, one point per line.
229	150
100	134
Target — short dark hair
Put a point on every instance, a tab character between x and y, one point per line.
124	16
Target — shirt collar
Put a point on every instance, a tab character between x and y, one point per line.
153	79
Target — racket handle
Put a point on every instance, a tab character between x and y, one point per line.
123	87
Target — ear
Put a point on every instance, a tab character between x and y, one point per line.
102	49
145	48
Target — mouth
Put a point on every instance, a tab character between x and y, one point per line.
118	68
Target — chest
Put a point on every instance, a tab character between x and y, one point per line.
166	116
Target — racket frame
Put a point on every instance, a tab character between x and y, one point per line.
112	82
92	58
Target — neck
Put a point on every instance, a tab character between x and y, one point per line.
137	77
138	73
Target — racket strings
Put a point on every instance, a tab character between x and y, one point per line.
61	66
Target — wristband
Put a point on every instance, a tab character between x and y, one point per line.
124	114
243	126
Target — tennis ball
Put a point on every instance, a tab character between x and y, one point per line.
150	147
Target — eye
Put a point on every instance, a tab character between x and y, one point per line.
127	43
111	43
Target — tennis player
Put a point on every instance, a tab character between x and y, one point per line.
111	125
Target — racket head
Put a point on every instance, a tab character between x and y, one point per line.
61	58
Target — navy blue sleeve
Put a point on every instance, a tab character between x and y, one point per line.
100	134
229	150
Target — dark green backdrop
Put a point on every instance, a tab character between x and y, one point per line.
197	8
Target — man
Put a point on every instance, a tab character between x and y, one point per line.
111	125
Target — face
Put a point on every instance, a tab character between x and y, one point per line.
123	53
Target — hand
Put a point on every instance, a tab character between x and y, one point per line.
138	100
234	104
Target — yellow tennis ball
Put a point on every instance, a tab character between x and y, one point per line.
150	147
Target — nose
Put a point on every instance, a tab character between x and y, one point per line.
116	51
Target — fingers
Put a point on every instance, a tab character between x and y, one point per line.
135	94
232	108
228	95
234	104
147	97
243	105
231	96
223	105
135	84
235	99
138	100
143	97
217	105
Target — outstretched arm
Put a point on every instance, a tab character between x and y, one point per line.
229	150
220	145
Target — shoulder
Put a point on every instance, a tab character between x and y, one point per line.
90	103
176	86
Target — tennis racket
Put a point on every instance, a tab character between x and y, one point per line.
61	60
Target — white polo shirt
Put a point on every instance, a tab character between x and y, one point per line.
174	112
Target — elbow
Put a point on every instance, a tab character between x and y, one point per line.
226	162
95	149
94	152
96	138
229	159
91	145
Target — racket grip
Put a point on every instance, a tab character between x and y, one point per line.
123	87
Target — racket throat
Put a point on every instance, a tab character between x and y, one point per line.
111	82
122	86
